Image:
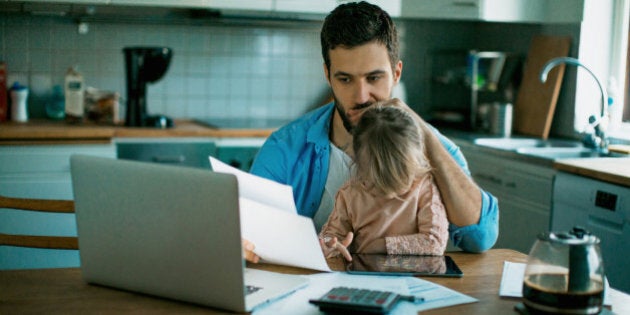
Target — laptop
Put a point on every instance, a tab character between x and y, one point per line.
167	231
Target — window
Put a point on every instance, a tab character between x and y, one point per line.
626	107
604	35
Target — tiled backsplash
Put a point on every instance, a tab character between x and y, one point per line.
252	70
220	71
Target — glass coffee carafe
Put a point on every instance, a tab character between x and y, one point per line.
564	274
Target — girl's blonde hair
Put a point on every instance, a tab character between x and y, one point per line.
389	150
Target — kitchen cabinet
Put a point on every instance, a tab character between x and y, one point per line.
532	11
518	11
161	3
604	210
40	171
191	152
325	6
239	152
523	190
264	5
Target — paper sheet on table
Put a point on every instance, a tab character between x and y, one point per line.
269	220
258	188
512	281
435	296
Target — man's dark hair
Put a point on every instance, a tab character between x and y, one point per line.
357	23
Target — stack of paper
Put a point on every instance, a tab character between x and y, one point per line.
269	219
434	295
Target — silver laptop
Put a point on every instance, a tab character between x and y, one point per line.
167	231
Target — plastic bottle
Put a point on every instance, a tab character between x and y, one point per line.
74	93
614	108
19	94
55	108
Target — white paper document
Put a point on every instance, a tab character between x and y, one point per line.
259	189
435	296
269	219
512	279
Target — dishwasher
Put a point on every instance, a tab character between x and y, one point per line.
601	208
189	152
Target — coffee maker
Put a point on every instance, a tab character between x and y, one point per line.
144	65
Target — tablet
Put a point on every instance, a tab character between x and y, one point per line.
403	265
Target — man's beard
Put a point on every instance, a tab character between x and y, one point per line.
344	118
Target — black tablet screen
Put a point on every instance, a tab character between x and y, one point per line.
407	265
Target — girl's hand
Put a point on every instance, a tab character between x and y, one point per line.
333	247
248	251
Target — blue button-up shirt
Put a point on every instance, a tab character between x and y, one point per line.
298	155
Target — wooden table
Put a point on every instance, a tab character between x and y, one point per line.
62	291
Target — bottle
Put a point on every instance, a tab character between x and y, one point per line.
55	108
614	109
4	97
19	94
74	90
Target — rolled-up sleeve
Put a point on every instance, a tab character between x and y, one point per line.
481	236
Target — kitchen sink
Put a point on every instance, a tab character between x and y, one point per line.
512	144
554	153
551	149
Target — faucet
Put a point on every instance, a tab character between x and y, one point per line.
597	140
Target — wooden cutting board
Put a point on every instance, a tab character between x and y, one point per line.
536	102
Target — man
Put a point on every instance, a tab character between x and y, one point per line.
313	153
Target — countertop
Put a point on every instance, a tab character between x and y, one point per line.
46	131
611	170
614	170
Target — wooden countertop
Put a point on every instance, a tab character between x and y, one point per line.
611	170
37	131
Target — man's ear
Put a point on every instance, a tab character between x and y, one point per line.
398	71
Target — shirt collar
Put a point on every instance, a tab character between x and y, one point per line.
319	131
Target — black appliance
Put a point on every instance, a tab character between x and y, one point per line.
144	65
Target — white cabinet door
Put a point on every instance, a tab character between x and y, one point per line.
305	6
40	171
528	11
519	223
259	5
67	1
442	9
392	7
523	191
162	3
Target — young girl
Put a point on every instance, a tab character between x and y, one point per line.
391	204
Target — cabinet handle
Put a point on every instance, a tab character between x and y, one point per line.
169	159
469	4
490	178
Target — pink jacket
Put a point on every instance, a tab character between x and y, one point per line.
413	223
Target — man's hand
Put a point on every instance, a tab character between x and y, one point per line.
333	247
461	196
248	251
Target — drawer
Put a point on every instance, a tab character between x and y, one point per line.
46	158
528	186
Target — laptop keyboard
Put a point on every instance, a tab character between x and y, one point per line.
249	289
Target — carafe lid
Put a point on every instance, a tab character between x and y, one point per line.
577	236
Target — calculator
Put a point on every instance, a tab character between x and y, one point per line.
359	301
